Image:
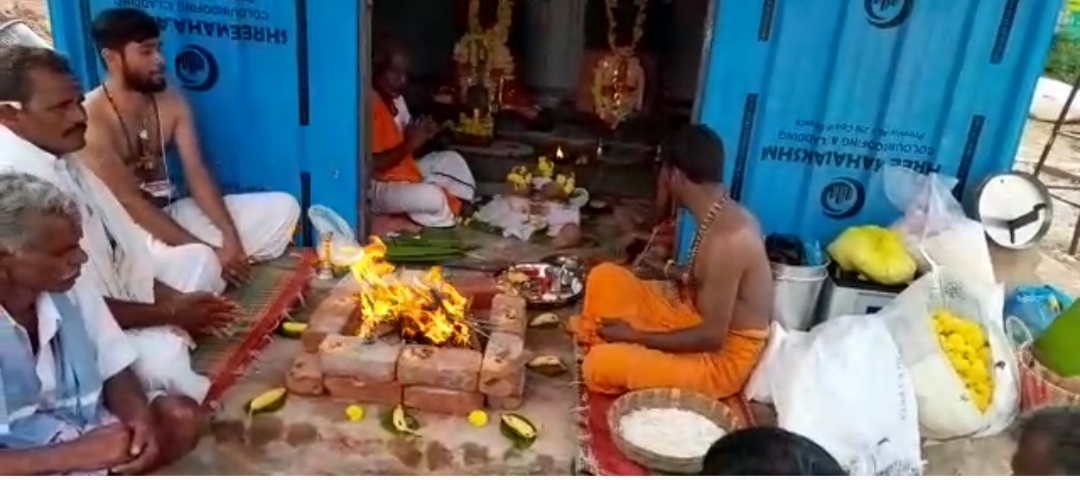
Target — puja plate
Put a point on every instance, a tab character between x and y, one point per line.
545	285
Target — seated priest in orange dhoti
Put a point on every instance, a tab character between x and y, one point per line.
430	191
708	334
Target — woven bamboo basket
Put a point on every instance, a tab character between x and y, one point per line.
668	398
1040	387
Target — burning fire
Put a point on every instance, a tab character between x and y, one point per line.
426	308
559	153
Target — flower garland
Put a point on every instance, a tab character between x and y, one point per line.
482	50
618	78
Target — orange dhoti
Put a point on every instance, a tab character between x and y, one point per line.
614	292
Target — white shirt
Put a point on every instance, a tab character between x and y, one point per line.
403	116
19	155
114	351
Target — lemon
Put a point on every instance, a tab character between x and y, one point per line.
478	418
354	413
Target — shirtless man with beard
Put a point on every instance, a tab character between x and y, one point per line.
133	119
709	335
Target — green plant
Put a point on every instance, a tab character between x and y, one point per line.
1063	63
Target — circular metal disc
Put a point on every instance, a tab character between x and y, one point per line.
1008	196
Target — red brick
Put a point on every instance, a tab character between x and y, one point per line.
509	402
451	368
480	287
331	316
348	356
353	390
441	400
508	314
503	366
504	403
305	377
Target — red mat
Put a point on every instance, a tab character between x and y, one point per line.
598	454
263	308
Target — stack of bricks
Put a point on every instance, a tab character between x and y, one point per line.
386	371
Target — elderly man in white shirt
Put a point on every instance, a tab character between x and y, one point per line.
42	120
70	401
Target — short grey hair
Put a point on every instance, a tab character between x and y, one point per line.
25	197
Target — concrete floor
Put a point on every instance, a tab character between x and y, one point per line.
312	436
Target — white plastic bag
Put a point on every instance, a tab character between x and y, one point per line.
164	362
946	410
760	386
934	223
344	247
843	385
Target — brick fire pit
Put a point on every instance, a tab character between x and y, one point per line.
389	371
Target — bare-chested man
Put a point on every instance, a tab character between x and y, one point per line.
132	119
709	335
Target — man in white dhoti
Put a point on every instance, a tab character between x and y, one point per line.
431	190
133	118
41	122
69	402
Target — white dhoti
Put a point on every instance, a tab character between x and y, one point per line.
425	203
265	222
521	217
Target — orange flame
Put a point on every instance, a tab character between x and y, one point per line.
559	153
426	307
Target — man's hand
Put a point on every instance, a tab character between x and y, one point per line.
651	267
617	331
419	131
142	450
235	264
100	449
199	311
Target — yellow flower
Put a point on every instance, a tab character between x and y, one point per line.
354	413
545	167
964	344
478	418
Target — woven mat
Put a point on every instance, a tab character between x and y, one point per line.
274	289
597	453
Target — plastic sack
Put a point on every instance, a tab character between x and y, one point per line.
934	223
759	387
946	409
844	386
1037	306
164	362
344	247
875	253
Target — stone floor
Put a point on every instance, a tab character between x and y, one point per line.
312	436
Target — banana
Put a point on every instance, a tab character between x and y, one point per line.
291	329
547	365
267	402
545	320
518	430
400	422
